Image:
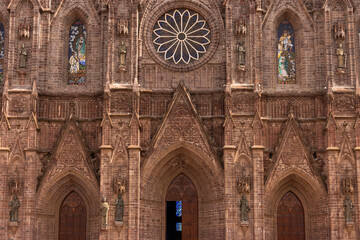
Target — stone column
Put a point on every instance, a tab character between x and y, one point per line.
357	202
105	188
258	191
230	193
332	154
134	192
29	193
4	193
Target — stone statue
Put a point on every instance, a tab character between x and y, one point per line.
23	57
349	209
104	209
341	56
122	55
240	48
244	208
119	208
14	204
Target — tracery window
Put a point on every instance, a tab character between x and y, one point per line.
181	36
286	53
77	53
2	50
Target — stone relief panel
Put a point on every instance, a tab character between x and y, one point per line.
121	102
19	104
344	104
243	102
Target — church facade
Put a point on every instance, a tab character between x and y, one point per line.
168	119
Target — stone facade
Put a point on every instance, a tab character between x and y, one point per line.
139	120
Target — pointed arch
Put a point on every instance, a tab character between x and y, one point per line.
295	13
51	195
157	174
61	24
310	193
77	53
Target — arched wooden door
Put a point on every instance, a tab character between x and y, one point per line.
181	210
290	218
72	218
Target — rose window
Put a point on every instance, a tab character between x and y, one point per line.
181	36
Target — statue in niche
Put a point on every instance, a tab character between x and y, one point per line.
122	56
347	185
349	209
14	204
119	186
23	57
244	185
119	208
240	48
104	209
244	208
341	56
123	27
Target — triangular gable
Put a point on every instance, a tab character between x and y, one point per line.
32	121
17	150
331	122
338	3
296	6
243	148
257	122
106	120
5	120
70	154
229	120
120	150
292	153
346	152
182	124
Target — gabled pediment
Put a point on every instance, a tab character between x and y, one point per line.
292	153
346	152
182	124
71	154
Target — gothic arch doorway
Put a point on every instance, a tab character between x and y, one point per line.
290	218
72	218
181	210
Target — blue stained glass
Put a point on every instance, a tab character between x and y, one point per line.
286	53
2	50
77	53
178	208
178	227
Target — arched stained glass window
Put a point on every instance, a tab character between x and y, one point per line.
77	53
2	50
286	53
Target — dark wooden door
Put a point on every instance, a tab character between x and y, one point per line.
182	189
72	222
290	218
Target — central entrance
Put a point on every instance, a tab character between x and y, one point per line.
181	210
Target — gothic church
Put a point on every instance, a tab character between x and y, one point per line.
180	120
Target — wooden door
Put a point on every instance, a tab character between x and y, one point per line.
72	218
182	189
290	218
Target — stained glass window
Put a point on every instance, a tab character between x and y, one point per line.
286	53
77	53
178	208
2	50
178	227
181	36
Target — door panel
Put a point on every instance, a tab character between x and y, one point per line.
290	218
72	218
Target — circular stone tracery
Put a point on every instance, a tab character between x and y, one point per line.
181	36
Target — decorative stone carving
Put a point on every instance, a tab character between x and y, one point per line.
104	209
19	104
15	185
122	56
341	56
23	57
243	185
290	156
14	204
244	209
349	209
347	186
123	27
339	31
119	186
119	208
240	49
24	31
240	26
344	103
